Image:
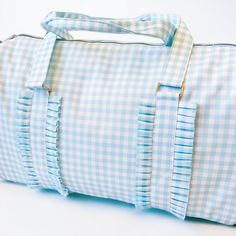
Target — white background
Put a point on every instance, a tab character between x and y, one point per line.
209	20
26	212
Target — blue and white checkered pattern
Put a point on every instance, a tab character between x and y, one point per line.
92	119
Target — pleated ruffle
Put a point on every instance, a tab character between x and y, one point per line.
182	165
146	117
24	104
52	149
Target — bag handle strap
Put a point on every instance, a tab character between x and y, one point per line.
153	25
169	28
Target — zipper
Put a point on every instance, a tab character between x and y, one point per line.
107	41
83	40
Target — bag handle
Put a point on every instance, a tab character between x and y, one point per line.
153	25
169	28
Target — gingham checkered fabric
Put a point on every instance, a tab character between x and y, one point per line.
89	117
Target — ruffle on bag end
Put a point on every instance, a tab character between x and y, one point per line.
146	117
182	165
24	104
52	150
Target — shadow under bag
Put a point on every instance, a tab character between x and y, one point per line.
149	124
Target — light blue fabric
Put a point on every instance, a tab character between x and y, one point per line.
108	119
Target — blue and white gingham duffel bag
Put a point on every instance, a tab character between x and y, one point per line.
149	124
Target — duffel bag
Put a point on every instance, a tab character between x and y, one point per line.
150	124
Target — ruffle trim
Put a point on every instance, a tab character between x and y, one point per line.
146	117
24	104
52	150
182	165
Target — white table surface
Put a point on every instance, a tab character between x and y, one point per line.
26	212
